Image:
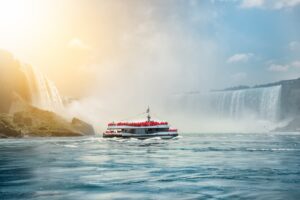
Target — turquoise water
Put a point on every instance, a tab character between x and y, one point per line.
193	166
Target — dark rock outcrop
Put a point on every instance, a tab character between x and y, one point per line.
83	127
28	121
7	127
290	99
36	122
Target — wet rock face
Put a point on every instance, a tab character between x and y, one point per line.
7	127
290	99
83	127
12	80
34	122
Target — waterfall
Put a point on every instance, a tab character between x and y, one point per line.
261	103
44	93
264	103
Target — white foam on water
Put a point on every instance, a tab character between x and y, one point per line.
70	146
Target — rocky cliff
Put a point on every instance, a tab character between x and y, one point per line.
31	121
290	98
7	127
18	118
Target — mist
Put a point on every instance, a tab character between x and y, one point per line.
154	51
110	60
155	56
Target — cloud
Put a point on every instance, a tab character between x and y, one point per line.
77	43
241	57
296	64
239	76
283	68
279	4
251	3
278	68
269	4
294	45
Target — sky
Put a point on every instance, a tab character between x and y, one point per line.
215	43
141	51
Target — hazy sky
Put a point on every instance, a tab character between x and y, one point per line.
165	45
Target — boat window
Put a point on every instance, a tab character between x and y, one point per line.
155	130
129	130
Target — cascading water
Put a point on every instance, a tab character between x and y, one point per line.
260	103
264	103
44	93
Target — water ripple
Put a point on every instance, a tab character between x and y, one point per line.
195	166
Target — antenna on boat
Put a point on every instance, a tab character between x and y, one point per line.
148	116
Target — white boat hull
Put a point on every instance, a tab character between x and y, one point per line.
163	135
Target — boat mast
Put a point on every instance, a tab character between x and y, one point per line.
148	116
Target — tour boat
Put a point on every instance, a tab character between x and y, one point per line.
140	130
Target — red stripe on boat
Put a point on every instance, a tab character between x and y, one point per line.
138	124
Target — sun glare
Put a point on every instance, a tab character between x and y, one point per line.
15	14
19	22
